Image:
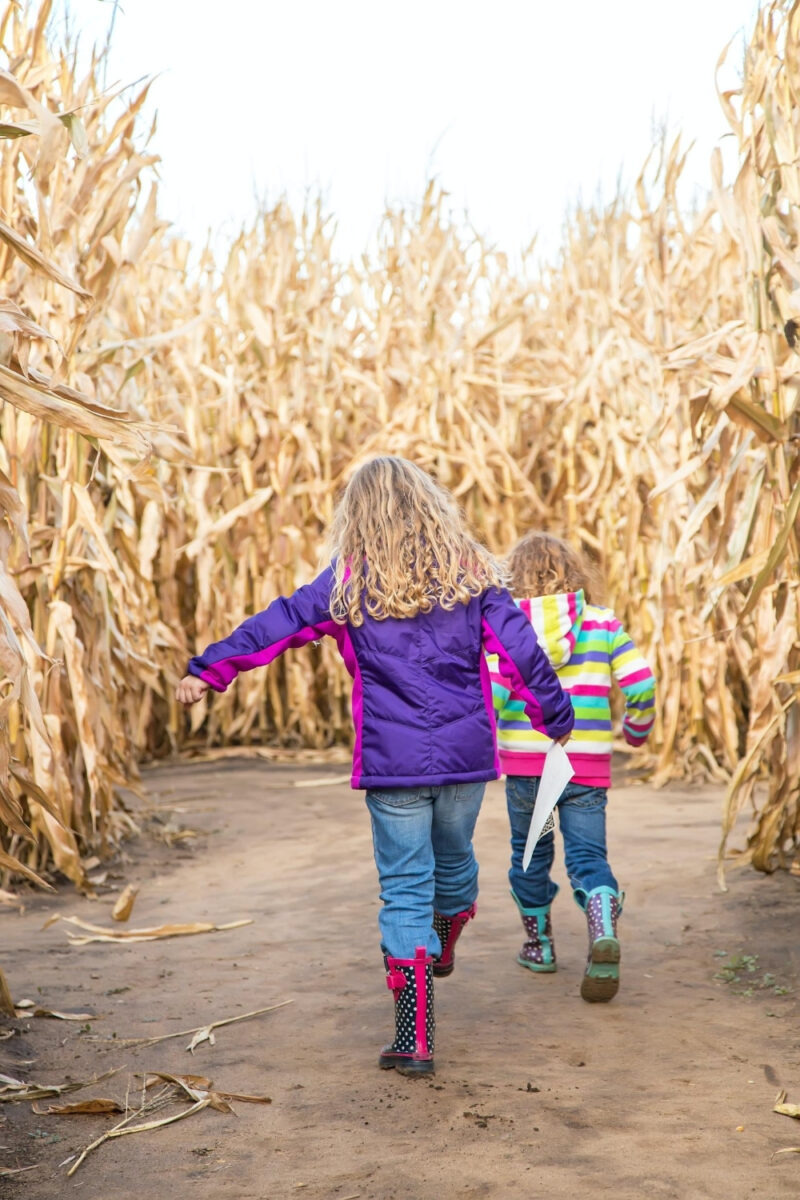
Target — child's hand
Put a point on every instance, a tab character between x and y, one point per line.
562	741
190	690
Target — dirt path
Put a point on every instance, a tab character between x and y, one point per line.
536	1092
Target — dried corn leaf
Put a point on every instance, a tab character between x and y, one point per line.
252	505
9	129
124	905
68	1015
41	399
205	1030
87	1107
12	1090
785	1110
6	1002
104	934
205	1034
198	1082
77	133
34	259
243	1097
9	863
196	1087
776	552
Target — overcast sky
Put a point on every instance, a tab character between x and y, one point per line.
518	107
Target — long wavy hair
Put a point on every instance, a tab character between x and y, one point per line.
400	545
543	565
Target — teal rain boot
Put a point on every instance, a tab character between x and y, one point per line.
538	952
602	907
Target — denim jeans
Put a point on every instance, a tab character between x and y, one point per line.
582	818
422	838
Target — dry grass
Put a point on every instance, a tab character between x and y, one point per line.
638	397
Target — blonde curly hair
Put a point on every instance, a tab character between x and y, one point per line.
543	565
400	545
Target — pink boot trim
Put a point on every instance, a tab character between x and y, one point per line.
396	981
443	965
421	959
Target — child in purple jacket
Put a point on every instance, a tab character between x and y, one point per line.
412	601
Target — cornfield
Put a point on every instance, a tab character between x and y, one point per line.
174	436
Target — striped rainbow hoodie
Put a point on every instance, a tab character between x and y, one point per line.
586	646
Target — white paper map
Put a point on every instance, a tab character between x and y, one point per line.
555	777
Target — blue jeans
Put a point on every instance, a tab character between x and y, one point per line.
582	818
423	851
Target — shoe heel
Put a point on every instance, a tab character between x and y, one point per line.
606	950
416	1067
601	981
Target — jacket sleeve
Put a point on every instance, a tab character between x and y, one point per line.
637	683
507	632
288	621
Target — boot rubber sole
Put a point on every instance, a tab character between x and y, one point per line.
539	968
440	972
601	981
410	1067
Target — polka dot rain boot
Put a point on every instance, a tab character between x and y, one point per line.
411	980
538	952
602	907
449	931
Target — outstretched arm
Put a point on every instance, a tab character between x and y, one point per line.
288	621
508	633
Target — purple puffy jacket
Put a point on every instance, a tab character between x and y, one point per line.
422	696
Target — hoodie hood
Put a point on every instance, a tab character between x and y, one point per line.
556	621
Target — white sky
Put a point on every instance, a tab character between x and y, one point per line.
518	107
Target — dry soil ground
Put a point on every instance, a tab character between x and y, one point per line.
666	1092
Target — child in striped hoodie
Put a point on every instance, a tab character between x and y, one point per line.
587	646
